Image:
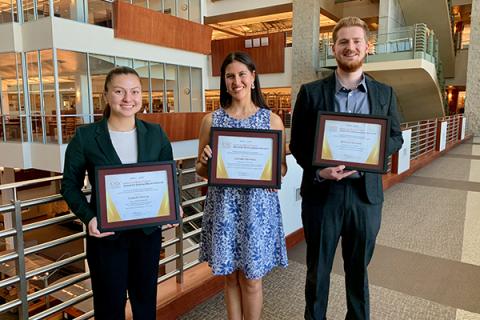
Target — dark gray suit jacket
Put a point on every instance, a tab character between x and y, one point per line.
320	96
90	147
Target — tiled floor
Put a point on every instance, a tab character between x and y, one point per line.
427	260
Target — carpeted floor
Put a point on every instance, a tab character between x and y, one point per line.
284	300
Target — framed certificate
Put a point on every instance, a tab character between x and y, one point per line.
136	195
245	158
357	141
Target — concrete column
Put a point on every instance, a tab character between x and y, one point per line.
305	41
390	17
472	105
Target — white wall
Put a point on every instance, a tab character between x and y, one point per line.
38	34
461	62
11	37
185	149
32	155
49	157
289	202
15	155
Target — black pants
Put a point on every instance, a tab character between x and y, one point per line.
344	213
126	263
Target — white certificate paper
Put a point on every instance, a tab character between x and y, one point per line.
352	142
138	195
247	158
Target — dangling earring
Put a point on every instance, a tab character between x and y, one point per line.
253	85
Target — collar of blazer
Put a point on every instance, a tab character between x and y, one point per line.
105	143
374	97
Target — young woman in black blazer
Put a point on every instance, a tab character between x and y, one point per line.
125	261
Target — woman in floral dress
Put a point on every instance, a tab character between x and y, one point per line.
242	232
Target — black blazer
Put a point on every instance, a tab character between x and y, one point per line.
320	96
90	147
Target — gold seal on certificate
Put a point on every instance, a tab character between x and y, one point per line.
245	158
136	195
357	141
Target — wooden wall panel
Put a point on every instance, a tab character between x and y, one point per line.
145	25
178	125
269	59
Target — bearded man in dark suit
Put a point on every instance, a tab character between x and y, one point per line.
337	202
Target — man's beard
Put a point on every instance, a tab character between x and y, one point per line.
351	66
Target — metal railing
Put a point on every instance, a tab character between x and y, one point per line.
411	42
424	134
453	127
23	265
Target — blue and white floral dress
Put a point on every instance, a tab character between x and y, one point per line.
242	227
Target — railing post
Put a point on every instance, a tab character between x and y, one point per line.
20	262
414	37
179	230
417	144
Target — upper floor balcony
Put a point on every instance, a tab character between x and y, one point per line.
408	60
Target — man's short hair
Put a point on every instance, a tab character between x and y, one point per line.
350	22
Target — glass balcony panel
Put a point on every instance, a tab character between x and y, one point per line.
13	128
169	7
28	10
100	13
34	94
158	83
185	90
69	9
123	62
196	90
183	9
194	11
9	99
156	5
74	91
142	69
41	92
140	3
6	8
100	65
43	9
171	77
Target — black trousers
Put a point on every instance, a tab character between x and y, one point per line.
126	263
344	213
